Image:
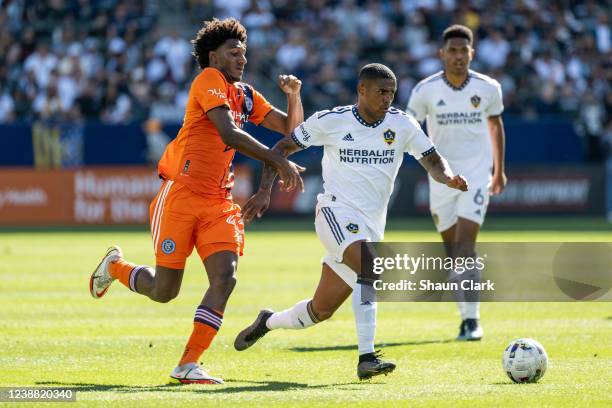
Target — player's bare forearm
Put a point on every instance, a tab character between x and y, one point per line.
280	121
244	143
440	171
249	146
240	140
437	167
295	112
257	205
498	142
284	147
268	175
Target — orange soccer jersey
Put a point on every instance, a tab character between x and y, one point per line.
198	158
194	207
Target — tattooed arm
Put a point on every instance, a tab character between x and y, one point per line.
259	202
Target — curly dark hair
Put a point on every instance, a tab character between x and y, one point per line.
213	34
458	31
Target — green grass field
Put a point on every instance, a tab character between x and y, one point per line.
119	350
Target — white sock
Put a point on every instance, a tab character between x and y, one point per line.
461	307
365	320
472	310
459	296
472	300
297	317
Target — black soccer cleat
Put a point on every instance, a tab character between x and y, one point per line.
371	365
470	330
254	332
461	335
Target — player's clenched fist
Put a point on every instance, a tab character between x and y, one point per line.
289	84
458	182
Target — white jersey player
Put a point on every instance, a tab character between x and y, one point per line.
462	109
363	149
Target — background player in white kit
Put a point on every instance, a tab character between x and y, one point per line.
463	111
364	147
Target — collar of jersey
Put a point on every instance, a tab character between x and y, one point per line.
456	88
362	120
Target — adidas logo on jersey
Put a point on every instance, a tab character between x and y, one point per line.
348	138
441	103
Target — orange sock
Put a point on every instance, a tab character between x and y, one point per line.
206	324
126	272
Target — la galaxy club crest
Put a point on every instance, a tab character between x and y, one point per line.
389	136
475	101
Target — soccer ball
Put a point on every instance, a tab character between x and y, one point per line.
525	361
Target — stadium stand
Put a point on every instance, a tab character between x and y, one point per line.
107	60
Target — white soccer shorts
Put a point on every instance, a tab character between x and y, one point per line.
338	227
447	204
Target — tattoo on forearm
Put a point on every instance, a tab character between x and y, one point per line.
268	175
437	167
285	147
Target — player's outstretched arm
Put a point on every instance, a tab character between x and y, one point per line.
240	140
257	205
282	122
439	170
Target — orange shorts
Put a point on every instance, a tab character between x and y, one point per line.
181	219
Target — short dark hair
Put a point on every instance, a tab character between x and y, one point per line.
457	31
376	71
213	34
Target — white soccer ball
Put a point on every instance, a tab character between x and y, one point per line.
525	361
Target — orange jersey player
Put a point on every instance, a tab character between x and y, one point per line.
198	158
194	207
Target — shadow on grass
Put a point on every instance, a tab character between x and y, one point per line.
513	383
382	345
256	386
91	387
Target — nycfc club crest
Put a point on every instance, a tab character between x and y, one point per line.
475	101
354	228
248	103
168	246
389	136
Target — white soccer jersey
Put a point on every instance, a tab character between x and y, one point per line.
361	160
457	121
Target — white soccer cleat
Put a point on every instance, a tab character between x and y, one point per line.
470	330
101	279
193	374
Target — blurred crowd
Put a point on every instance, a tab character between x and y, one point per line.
94	60
112	60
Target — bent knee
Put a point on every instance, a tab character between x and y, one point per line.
224	281
164	296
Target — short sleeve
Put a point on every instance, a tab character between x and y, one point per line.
496	107
310	132
418	145
261	107
210	90
416	105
